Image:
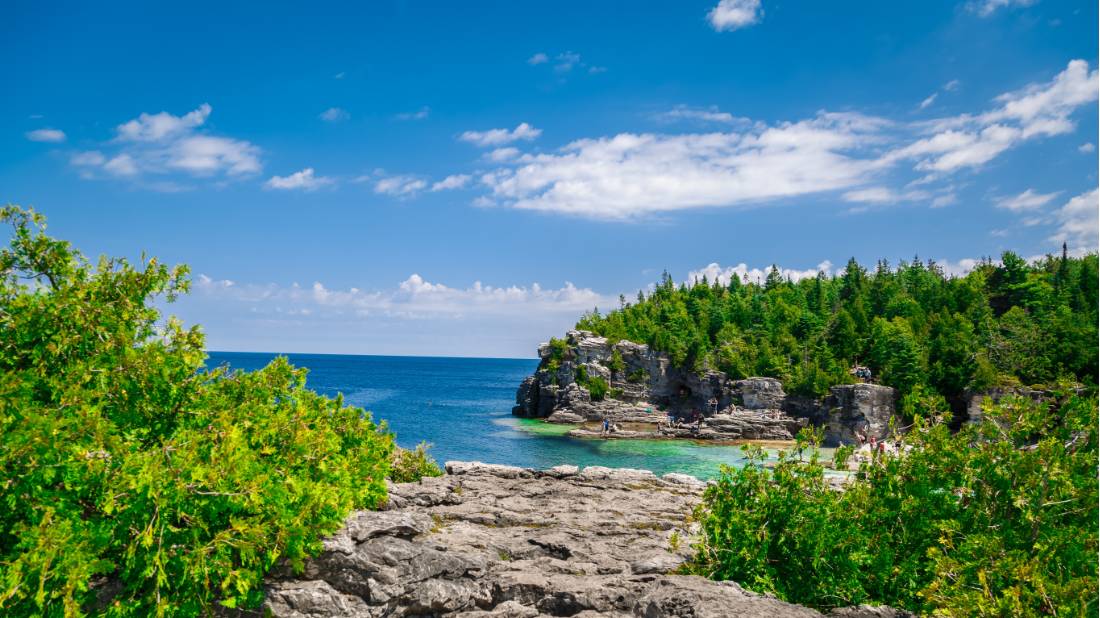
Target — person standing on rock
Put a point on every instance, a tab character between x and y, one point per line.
606	425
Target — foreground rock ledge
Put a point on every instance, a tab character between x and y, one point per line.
489	540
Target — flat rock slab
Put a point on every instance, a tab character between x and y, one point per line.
498	541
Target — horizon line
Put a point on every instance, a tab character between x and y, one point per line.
378	355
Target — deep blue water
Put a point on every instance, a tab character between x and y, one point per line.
462	406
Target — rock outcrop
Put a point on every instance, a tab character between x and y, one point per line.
645	388
497	541
730	424
863	408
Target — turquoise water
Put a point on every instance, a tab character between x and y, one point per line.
462	406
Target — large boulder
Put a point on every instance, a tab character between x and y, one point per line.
975	401
760	393
863	408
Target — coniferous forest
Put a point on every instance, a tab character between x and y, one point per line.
1011	323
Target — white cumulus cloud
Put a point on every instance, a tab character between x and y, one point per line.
734	14
636	174
1079	222
159	145
714	272
157	127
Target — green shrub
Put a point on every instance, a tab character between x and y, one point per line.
130	473
411	466
559	351
617	365
998	519
598	388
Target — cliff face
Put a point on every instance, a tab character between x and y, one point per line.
644	386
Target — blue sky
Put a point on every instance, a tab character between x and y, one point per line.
466	178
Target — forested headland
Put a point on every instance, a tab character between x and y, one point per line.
1003	324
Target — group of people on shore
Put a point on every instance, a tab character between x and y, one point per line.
692	421
873	445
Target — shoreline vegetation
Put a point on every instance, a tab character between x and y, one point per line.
135	481
992	376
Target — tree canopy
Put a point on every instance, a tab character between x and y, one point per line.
1007	323
134	480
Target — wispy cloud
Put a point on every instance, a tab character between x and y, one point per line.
1039	110
565	62
929	101
46	135
985	8
454	181
883	195
1028	200
304	180
335	114
733	14
636	174
709	114
419	114
499	137
1086	148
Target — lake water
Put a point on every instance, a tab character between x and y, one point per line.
462	406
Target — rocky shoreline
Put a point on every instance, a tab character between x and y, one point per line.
645	390
498	541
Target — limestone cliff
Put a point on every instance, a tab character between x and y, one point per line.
644	387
